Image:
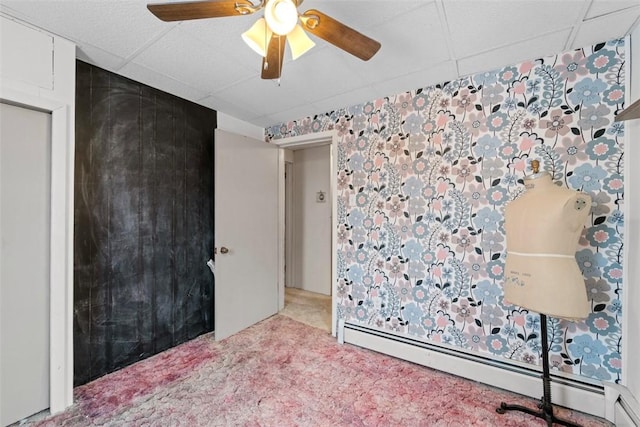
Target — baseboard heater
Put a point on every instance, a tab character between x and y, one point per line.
572	393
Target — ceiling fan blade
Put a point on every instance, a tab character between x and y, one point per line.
182	11
272	64
339	35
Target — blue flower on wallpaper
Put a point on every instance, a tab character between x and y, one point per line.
497	121
361	313
613	184
412	186
496	344
413	123
587	91
356	161
614	95
601	235
590	262
613	272
487	146
356	273
487	291
356	217
508	75
495	269
601	61
597	372
586	348
613	362
587	177
601	148
412	249
412	312
601	323
425	176
487	219
485	78
497	195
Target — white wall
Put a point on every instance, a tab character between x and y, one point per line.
312	220
239	127
38	70
631	310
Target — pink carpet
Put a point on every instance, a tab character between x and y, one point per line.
283	373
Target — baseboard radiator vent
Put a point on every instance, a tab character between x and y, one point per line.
622	408
568	392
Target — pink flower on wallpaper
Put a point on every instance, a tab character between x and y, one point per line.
572	65
556	123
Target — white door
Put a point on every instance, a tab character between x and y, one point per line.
25	192
246	232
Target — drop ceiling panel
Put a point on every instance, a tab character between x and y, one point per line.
160	81
187	59
258	94
513	54
479	26
223	36
605	28
97	56
119	27
603	7
412	42
230	108
439	73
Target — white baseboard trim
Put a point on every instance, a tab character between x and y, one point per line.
567	392
622	408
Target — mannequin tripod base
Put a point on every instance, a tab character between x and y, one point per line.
542	413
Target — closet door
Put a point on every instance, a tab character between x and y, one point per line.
25	193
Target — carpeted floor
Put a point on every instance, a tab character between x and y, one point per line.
281	372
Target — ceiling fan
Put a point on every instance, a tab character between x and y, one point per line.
268	35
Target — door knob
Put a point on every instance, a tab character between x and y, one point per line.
224	250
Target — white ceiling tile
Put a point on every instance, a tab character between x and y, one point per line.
120	27
99	57
605	28
159	81
438	73
189	60
546	45
604	7
478	26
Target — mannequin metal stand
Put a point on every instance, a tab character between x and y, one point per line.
546	409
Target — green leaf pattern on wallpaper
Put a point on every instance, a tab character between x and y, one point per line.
423	180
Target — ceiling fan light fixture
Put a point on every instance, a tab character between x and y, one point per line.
281	16
299	42
257	37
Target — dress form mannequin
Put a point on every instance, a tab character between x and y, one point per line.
543	227
541	273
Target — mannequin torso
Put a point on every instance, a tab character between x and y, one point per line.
543	227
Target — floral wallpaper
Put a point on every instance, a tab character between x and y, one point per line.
423	180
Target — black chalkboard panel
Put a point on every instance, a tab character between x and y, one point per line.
143	222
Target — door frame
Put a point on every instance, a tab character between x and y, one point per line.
61	243
307	141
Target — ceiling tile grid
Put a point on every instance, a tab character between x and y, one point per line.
423	43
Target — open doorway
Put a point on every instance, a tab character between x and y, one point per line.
308	235
308	225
